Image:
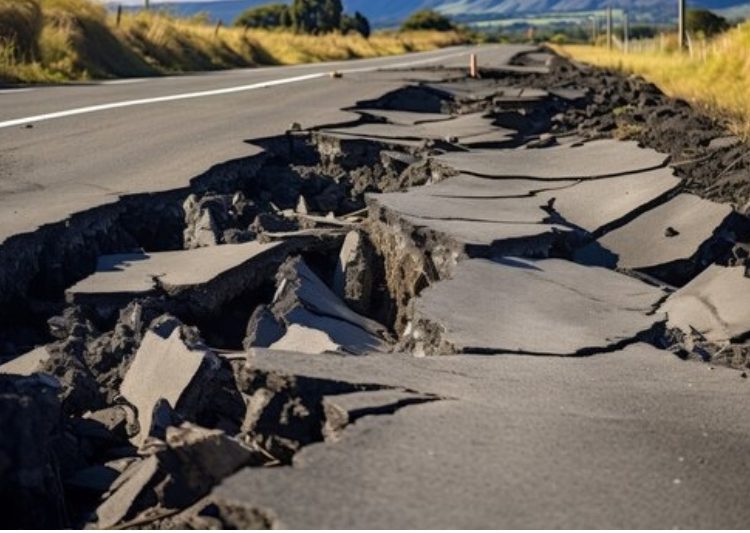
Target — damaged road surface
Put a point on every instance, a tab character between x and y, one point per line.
426	301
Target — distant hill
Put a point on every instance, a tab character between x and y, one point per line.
391	12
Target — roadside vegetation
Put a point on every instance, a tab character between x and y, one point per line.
314	17
62	40
427	19
714	74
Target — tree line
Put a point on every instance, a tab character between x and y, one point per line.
305	16
325	16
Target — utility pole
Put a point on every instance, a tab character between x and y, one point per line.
681	29
594	28
147	4
609	27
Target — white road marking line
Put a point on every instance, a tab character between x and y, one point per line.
122	82
213	92
15	91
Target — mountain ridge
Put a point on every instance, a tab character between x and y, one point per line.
391	12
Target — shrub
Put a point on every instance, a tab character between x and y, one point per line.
267	16
427	19
20	26
705	22
357	23
316	16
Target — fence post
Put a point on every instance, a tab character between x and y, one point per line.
119	15
609	27
626	31
681	29
147	4
473	67
216	30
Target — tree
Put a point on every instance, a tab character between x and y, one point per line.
266	16
316	16
427	19
329	18
357	23
705	22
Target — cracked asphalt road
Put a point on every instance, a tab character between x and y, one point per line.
66	165
482	249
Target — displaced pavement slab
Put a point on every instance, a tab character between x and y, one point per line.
345	409
314	319
462	127
595	159
299	284
510	210
673	231
126	490
26	364
468	186
404	118
571	95
715	304
302	339
470	89
506	239
130	275
164	368
387	141
631	439
488	307
596	204
311	333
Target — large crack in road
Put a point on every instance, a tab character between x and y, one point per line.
251	351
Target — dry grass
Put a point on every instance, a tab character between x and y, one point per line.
57	40
714	77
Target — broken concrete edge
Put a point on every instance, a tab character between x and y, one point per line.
26	364
615	224
419	255
424	338
734	228
23	258
210	297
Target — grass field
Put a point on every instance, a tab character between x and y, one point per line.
715	76
61	40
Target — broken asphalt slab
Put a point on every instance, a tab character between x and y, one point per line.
669	233
468	186
507	210
310	317
488	306
212	274
463	129
475	90
594	159
26	364
166	368
404	118
714	304
596	205
631	439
